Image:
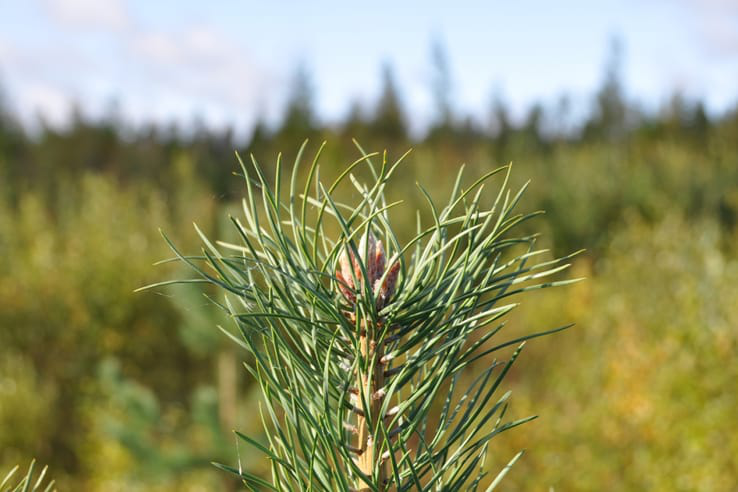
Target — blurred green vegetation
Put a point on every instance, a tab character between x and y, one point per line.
123	391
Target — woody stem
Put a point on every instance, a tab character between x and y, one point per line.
370	381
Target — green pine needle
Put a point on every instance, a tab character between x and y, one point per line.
311	342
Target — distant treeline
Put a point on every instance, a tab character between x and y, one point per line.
613	137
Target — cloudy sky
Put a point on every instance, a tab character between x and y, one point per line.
228	61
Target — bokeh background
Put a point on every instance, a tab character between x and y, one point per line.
118	118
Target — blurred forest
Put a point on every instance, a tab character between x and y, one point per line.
123	391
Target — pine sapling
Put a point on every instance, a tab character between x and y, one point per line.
362	344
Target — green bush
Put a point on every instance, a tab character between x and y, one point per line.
641	401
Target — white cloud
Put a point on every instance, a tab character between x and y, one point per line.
45	99
200	64
156	75
90	14
25	82
718	25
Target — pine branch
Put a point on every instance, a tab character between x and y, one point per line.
357	340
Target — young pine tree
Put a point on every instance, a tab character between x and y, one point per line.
360	341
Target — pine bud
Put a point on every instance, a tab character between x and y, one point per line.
350	276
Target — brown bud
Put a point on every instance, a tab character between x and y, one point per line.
351	279
383	292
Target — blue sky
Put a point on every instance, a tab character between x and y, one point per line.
229	61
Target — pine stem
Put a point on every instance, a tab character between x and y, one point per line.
369	382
